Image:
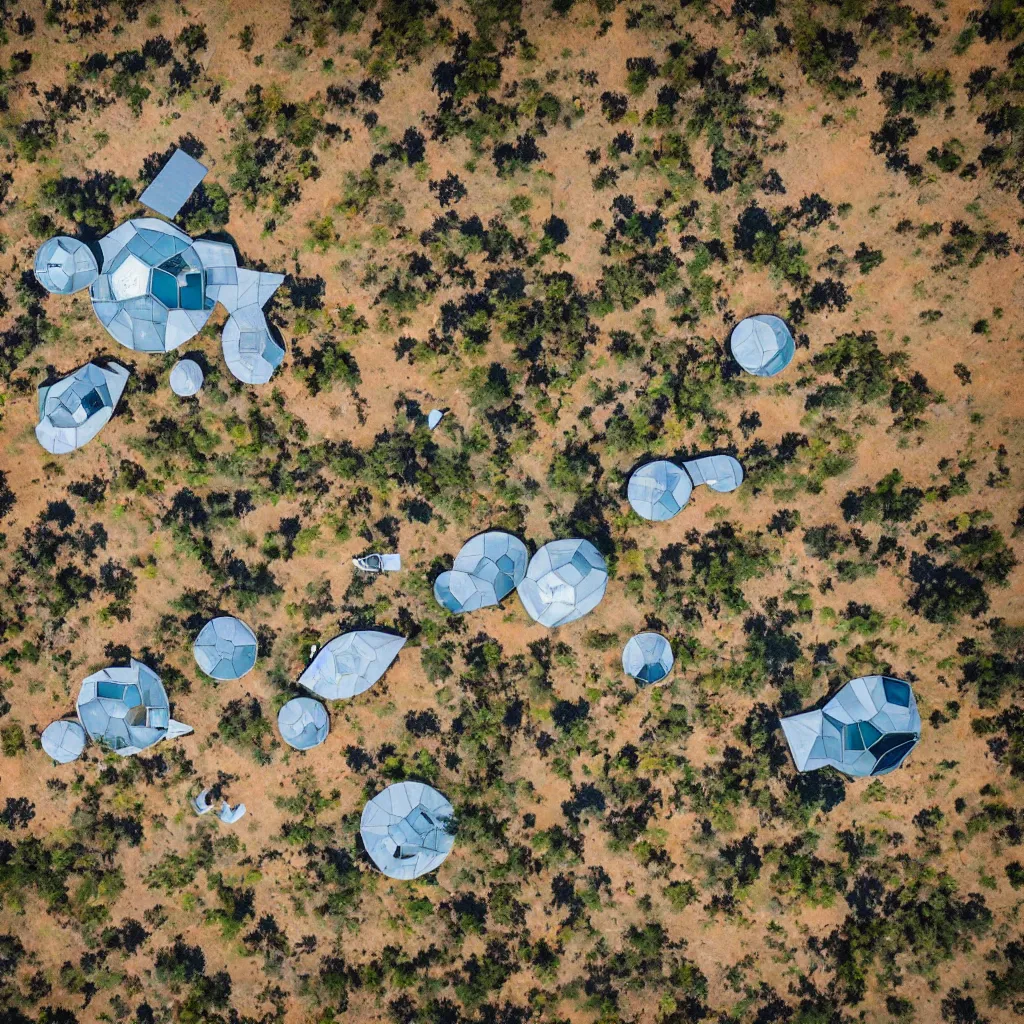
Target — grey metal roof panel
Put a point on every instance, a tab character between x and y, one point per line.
171	188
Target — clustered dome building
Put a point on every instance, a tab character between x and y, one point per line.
488	568
868	728
659	490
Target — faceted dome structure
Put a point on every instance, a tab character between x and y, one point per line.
63	741
157	287
186	378
351	663
126	709
659	490
225	648
489	567
564	581
647	657
65	265
77	407
250	350
406	831
721	473
303	723
762	345
151	295
868	728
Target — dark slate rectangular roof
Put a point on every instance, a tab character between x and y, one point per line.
170	189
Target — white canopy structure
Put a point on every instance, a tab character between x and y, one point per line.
721	473
762	345
488	568
156	287
65	265
225	648
647	657
868	728
434	417
228	814
186	378
564	581
303	723
379	563
126	709
201	803
658	490
406	830
351	663
75	409
63	741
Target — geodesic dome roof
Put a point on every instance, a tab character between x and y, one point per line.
489	567
303	723
659	490
151	295
63	741
351	663
405	829
564	581
250	350
868	728
721	473
186	378
126	709
225	648
762	345
65	265
78	406
647	657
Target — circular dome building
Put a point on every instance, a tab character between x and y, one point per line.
647	657
659	490
762	345
63	741
225	648
186	378
303	723
65	265
564	581
406	831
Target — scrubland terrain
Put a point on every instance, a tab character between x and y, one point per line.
545	219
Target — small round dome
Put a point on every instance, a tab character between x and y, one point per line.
186	378
407	830
65	265
303	723
762	345
647	657
659	490
226	648
64	741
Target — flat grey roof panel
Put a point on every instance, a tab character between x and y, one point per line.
170	189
